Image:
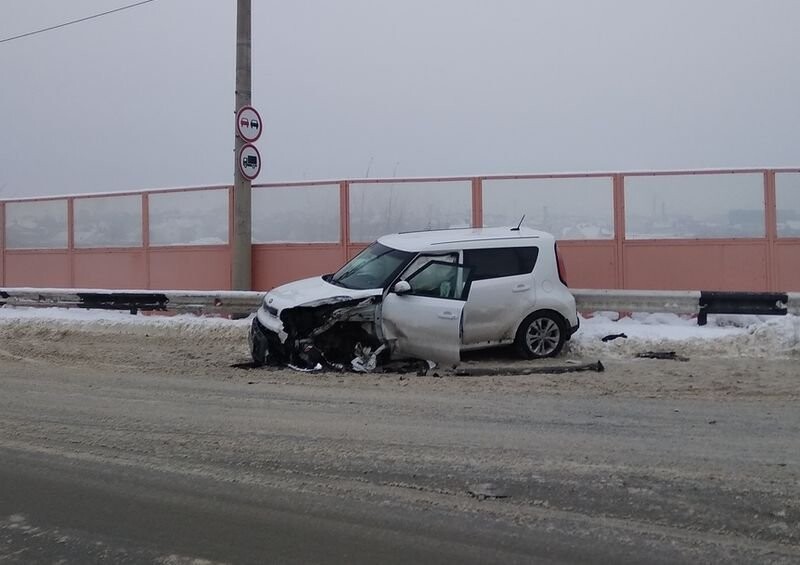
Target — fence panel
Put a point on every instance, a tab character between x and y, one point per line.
274	265
378	208
38	224
36	242
296	214
188	236
181	268
38	268
108	240
787	195
569	208
589	264
696	265
189	217
108	221
787	247
694	206
109	268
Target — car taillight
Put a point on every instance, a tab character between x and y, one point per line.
562	271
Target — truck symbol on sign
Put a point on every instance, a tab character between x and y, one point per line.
250	161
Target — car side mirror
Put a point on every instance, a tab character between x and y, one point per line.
402	287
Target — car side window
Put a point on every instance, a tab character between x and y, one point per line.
439	279
423	260
500	262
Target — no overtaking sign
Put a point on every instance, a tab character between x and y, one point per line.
248	128
248	124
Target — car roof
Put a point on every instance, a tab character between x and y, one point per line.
464	238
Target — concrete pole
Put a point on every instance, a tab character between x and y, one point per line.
241	252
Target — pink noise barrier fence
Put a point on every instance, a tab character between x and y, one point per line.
733	230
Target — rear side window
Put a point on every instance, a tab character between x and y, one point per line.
500	262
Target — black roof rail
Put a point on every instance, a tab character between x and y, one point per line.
453	229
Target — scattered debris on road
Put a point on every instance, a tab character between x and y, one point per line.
548	370
666	355
366	359
612	337
365	363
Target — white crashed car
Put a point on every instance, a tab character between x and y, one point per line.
427	295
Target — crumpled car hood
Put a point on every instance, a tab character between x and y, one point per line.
310	292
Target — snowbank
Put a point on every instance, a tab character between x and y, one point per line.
43	322
724	336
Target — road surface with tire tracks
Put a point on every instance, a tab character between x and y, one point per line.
146	449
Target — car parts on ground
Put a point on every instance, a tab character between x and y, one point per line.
597	367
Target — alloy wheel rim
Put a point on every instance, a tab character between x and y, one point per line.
543	336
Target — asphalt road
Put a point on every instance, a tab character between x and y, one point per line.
217	465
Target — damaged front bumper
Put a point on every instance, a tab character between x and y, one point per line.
265	345
323	332
269	321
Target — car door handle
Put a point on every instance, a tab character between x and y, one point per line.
447	315
521	287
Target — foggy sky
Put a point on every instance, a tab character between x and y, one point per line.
145	97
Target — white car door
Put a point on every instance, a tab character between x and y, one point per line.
421	315
502	292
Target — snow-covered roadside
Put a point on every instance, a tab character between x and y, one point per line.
724	336
42	321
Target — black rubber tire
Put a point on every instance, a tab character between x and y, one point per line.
541	334
259	348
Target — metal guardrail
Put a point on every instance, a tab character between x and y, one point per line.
758	303
696	303
199	302
670	301
699	303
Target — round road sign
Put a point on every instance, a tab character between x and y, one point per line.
248	123
249	161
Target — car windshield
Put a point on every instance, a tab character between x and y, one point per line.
375	267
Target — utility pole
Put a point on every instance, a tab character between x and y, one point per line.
241	246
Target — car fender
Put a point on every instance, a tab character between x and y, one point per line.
556	300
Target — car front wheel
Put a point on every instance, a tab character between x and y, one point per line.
259	346
542	334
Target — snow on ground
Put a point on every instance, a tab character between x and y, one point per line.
724	336
28	321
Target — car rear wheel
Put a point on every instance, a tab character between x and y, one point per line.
542	334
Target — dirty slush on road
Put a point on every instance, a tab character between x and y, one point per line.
666	460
